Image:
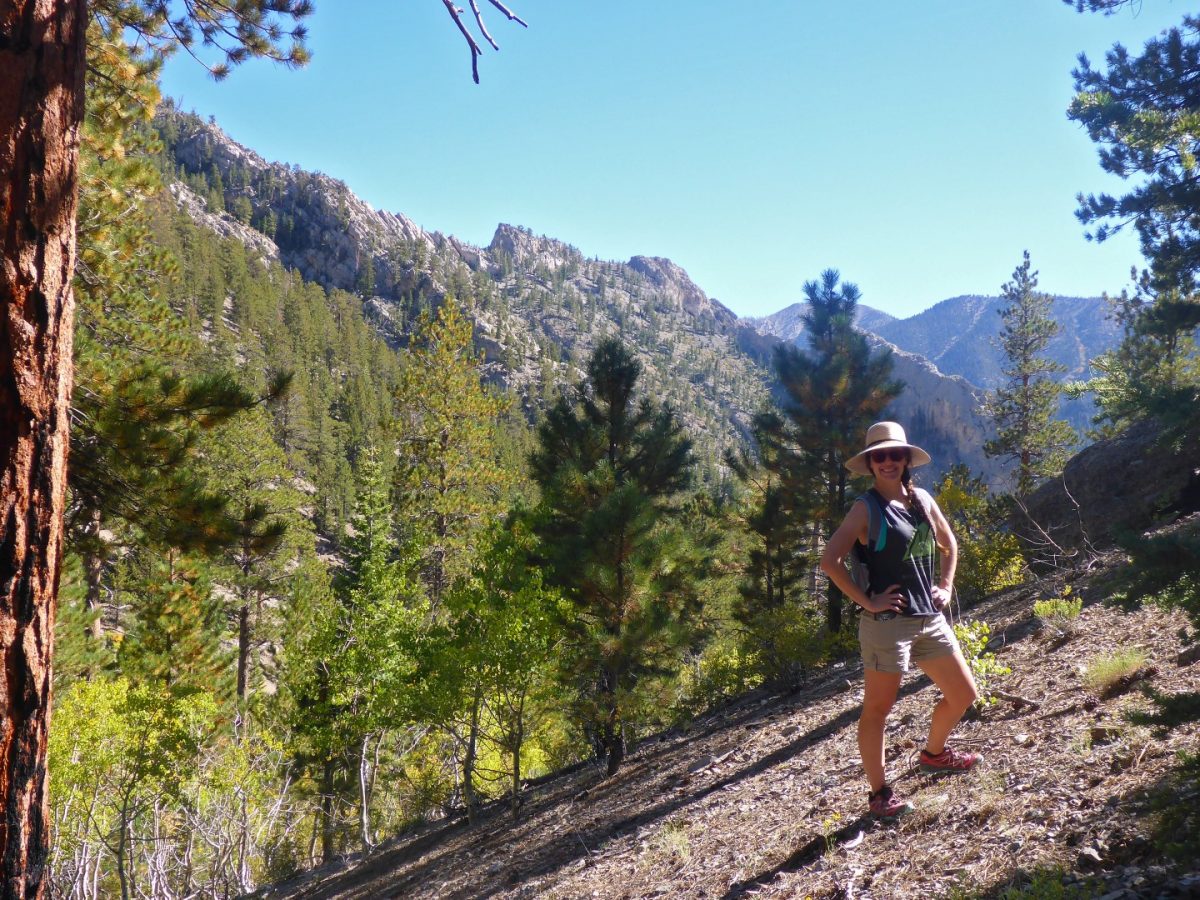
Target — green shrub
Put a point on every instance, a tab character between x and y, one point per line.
1048	884
1059	615
781	646
718	672
973	639
989	555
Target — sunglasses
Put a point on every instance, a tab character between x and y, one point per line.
895	455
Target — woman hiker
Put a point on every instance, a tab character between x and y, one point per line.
902	606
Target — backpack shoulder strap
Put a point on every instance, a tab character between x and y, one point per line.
877	527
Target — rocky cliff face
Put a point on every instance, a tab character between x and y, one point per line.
538	304
222	223
321	228
1119	485
941	413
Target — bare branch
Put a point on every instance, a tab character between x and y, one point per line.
512	17
1016	699
456	15
476	51
482	28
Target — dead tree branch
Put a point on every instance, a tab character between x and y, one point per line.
456	14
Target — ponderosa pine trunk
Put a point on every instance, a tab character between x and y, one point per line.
613	732
41	112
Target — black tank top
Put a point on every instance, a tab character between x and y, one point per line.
904	555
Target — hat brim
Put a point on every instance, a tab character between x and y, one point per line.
860	466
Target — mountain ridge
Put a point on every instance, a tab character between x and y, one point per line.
539	304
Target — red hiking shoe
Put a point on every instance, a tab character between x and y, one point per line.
884	804
948	762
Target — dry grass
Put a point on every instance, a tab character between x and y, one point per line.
1105	671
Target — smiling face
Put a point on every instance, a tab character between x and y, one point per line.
889	464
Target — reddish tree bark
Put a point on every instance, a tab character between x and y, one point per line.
41	111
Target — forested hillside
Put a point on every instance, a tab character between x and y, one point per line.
763	797
538	305
327	578
372	533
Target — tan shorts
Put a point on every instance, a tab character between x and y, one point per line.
889	645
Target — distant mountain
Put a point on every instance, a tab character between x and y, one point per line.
959	336
941	412
539	305
787	325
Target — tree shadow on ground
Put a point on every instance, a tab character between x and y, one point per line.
372	876
424	858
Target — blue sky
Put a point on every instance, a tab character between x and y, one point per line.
919	147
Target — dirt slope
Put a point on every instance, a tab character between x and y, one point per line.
765	797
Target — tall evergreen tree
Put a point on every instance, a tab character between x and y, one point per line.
269	535
1024	408
612	468
1151	370
174	639
831	395
376	639
774	590
450	483
1141	109
44	54
44	60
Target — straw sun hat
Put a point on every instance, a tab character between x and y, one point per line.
882	436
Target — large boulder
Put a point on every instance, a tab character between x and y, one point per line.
1124	484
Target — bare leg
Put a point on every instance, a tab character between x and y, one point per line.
952	675
878	697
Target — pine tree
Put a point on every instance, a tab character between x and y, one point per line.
78	653
360	668
612	468
139	404
1141	110
269	534
774	589
174	639
1150	371
45	47
1024	408
831	395
449	480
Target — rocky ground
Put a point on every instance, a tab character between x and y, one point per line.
765	797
